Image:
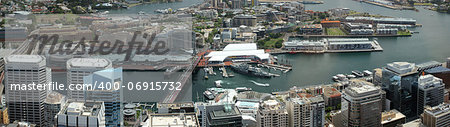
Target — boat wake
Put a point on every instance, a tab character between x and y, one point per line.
259	84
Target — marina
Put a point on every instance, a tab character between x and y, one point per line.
366	75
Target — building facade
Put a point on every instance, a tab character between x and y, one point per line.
431	92
83	114
306	112
361	105
272	114
26	105
438	116
77	68
400	83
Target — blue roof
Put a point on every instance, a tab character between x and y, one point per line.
438	69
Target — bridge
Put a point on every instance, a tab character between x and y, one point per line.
172	96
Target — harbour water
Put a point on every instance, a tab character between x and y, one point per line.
432	43
150	8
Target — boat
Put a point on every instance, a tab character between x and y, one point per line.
335	78
244	68
341	77
206	77
208	95
141	12
367	73
230	75
260	84
242	89
357	73
351	76
218	84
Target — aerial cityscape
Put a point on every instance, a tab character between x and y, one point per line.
224	63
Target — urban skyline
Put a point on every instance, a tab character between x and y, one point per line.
241	63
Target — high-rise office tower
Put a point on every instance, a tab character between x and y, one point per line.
437	116
306	112
400	83
108	90
361	105
96	71
431	92
77	68
26	104
272	114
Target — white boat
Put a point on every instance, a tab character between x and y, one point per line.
351	76
218	83
367	72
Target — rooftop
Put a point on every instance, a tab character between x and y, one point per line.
24	58
391	115
54	98
173	120
89	62
401	67
331	92
304	43
439	110
361	87
439	69
248	49
380	19
346	39
428	81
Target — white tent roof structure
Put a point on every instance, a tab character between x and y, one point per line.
247	49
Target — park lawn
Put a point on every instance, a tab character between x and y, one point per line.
335	31
403	33
271	43
423	4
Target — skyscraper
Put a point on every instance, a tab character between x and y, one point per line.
438	116
109	93
431	92
400	83
26	104
77	68
306	112
272	114
361	105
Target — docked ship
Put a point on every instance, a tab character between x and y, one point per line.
208	95
244	68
